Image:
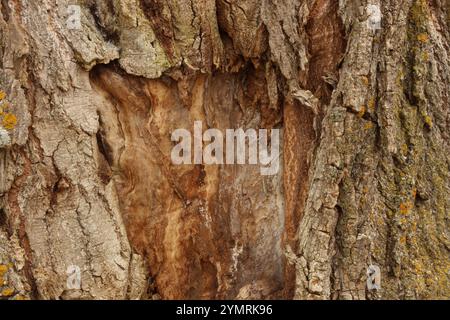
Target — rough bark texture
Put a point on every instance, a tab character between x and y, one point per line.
86	178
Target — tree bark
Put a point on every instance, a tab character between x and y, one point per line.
86	178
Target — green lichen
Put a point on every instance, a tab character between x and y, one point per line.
419	13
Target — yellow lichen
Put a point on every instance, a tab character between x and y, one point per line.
9	121
371	104
7	292
405	207
422	37
428	120
418	266
414	193
403	240
3	269
362	111
404	148
368	125
2	95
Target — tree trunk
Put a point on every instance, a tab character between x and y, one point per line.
86	178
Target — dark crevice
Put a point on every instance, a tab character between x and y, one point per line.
109	32
161	24
5	10
3	219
